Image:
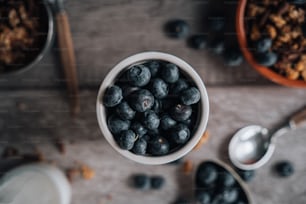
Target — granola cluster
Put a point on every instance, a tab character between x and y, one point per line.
21	32
284	23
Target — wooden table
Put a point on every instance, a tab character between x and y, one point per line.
34	109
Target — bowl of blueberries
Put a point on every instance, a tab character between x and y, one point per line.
152	108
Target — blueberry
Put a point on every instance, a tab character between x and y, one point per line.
170	73
216	23
138	75
127	90
206	174
233	57
141	100
177	28
112	96
151	120
141	181
159	88
179	86
146	138
180	134
198	42
140	147
267	59
228	195
126	139
116	124
157	182
157	106
263	45
166	122
246	175
139	129
153	132
190	96
181	112
203	197
158	146
182	201
226	179
154	67
124	111
217	46
284	168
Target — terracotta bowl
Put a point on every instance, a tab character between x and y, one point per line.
265	71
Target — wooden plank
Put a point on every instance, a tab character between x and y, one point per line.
36	118
105	32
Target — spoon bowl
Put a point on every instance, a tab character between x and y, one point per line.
250	148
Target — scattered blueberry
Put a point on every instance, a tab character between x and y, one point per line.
267	59
141	181
139	129
206	174
140	147
158	146
112	96
179	86
177	28
157	182
116	124
284	168
233	57
226	179
246	175
217	46
263	45
167	122
154	67
203	197
151	120
198	42
181	112
141	100
125	112
159	88
138	75
190	96
216	23
180	134
127	139
170	73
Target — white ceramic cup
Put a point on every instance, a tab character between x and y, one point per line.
190	73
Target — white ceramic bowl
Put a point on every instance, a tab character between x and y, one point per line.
190	73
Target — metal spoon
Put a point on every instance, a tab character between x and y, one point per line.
252	146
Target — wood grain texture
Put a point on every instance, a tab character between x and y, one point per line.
105	32
35	118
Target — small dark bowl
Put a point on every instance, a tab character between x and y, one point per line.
48	19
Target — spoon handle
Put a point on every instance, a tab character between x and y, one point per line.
298	119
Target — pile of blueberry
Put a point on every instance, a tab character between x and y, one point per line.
214	184
152	108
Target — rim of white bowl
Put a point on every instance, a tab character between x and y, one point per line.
187	69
